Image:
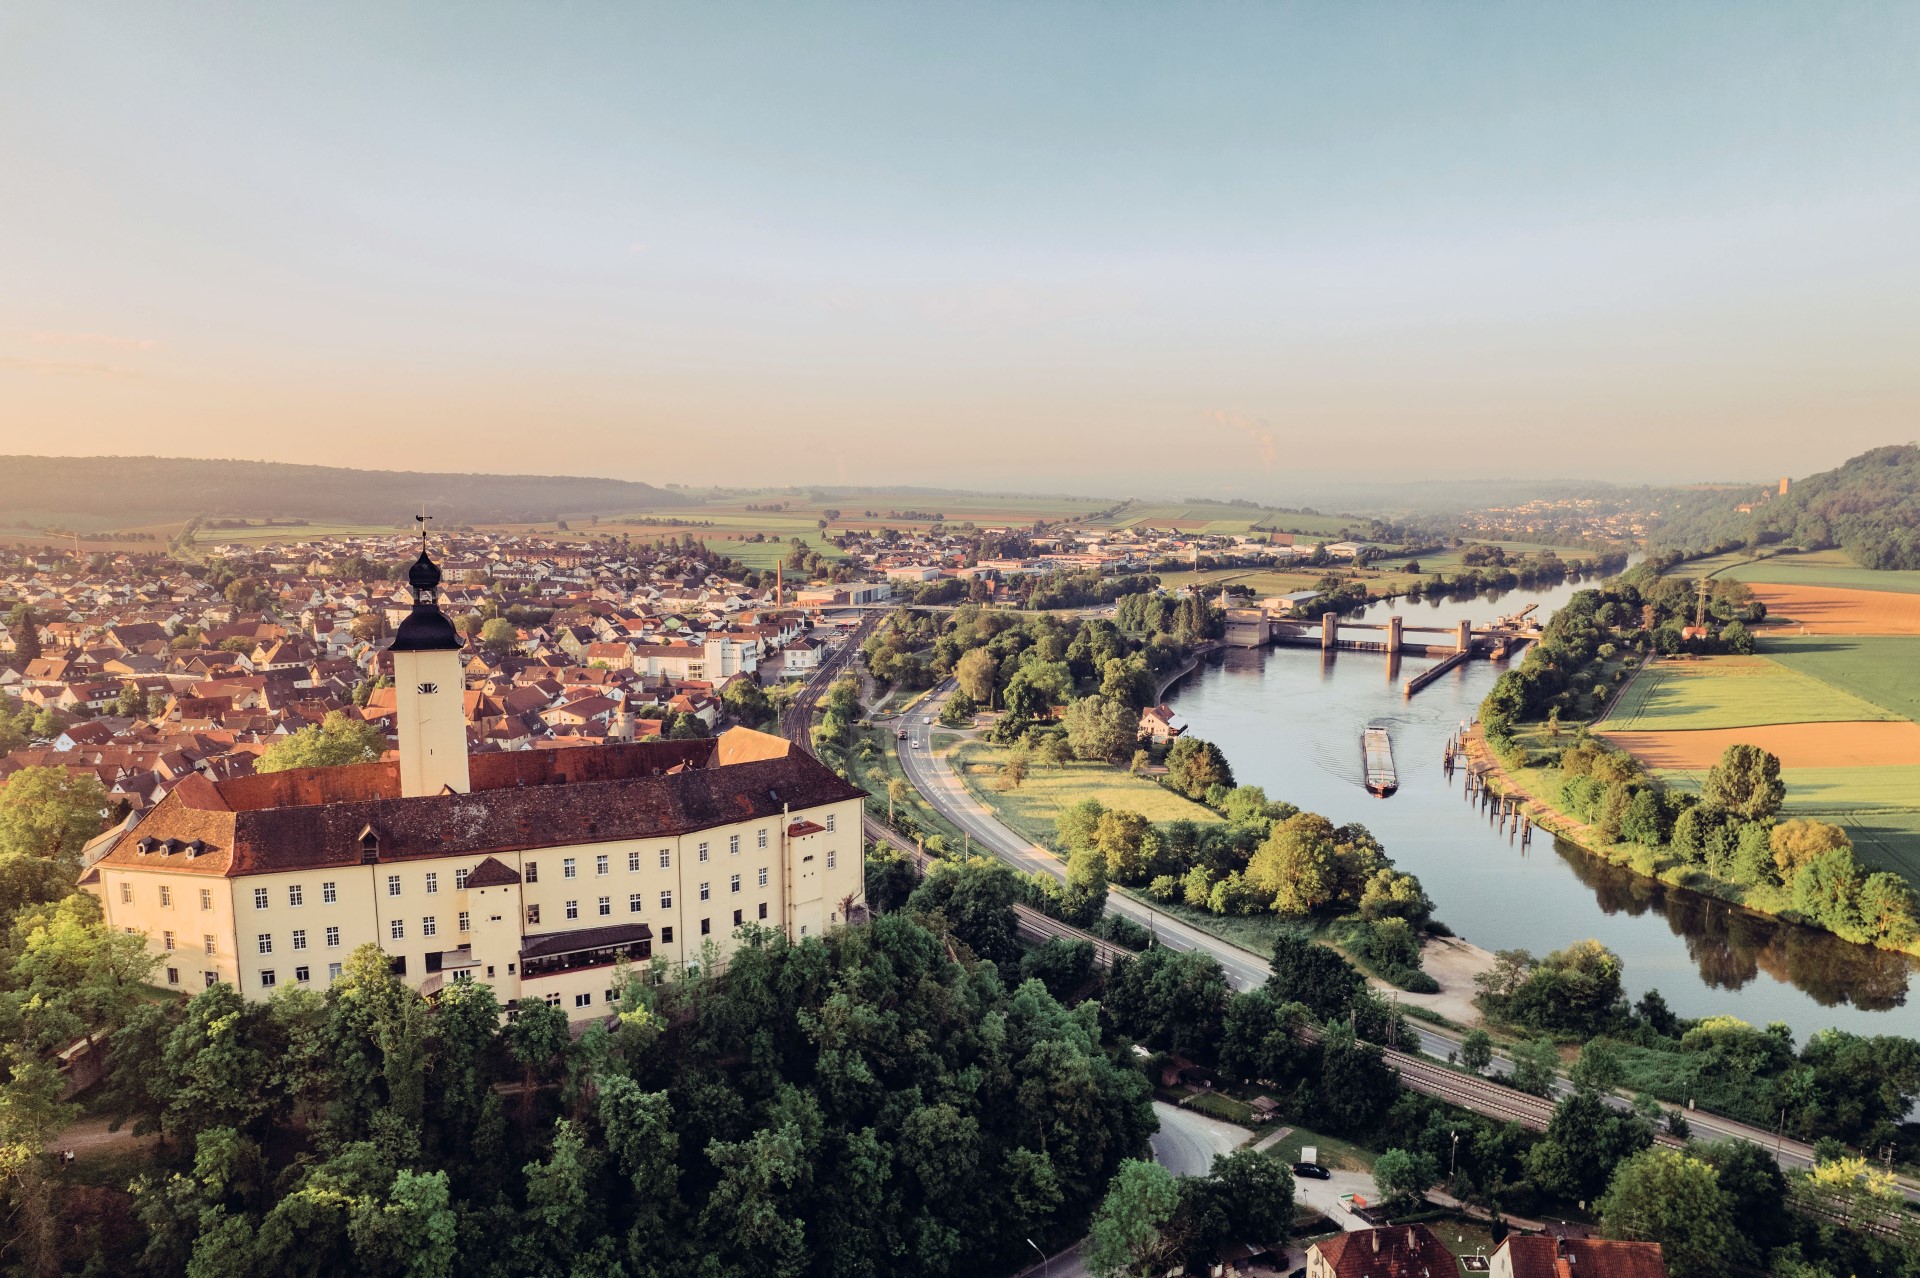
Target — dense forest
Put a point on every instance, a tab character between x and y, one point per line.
1869	507
117	491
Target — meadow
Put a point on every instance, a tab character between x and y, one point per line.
1882	669
1816	568
1731	692
1050	790
1219	517
1832	610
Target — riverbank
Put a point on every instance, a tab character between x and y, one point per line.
1031	811
1528	786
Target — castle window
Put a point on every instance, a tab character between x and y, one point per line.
829	823
301	974
333	971
666	900
393	885
583	1000
328	893
763	836
763	909
211	978
166	940
733	845
166	895
333	938
633	903
460	880
126	894
573	909
369	847
703	853
738	918
173	976
706	927
704	892
397	930
267	978
633	862
466	921
265	942
533	915
666	936
429	925
734	885
533	871
296	895
433	882
606	906
299	938
206	898
259	898
830	859
212	946
567	868
600	865
763	876
666	859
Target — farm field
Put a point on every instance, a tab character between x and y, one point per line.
1879	807
1731	692
1823	610
1882	669
1884	839
1218	517
1797	745
1831	568
1049	790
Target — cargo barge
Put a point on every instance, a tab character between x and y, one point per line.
1376	756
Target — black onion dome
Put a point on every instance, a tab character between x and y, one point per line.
425	574
426	629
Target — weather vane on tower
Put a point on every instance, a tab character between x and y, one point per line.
422	519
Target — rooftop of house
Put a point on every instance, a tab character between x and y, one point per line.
1399	1251
1542	1257
335	817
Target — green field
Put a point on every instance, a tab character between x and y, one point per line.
1049	790
1219	517
1817	568
1882	669
1880	808
279	533
1732	692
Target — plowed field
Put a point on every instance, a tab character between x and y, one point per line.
1823	610
1797	745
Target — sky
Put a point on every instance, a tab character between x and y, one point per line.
1101	247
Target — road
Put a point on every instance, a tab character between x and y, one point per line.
1188	1142
935	778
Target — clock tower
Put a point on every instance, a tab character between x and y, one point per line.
429	690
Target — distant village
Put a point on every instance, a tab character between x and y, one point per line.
144	668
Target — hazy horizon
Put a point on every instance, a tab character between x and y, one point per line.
1006	248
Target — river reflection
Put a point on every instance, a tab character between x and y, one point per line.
1289	719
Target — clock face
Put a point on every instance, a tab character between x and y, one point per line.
427	689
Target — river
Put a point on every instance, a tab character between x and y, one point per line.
1289	719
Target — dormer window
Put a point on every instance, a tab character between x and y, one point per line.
145	846
369	846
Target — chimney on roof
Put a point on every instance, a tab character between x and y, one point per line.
1376	1240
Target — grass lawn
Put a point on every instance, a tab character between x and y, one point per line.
1253	933
1882	669
1049	790
1335	1154
1732	692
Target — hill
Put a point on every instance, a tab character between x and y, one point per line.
1869	507
115	492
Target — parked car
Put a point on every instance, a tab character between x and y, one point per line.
1312	1171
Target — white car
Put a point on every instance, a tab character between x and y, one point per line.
916	745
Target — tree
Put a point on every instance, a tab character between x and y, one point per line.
1535	1065
1669	1197
370	626
976	898
1314	975
1194	767
958	710
334	741
746	701
1013	771
1244	1197
1746	782
1476	1050
498	635
1598	1067
1800	841
1128	1238
1402	1177
1100	729
1583	1142
1121	839
977	674
50	813
25	629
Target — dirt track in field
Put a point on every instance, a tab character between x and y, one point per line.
1826	610
1798	745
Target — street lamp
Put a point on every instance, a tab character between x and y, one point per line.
1046	1266
1453	1158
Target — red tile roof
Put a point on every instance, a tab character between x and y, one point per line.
279	821
1401	1251
1538	1257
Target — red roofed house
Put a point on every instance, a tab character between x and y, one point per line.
533	871
1536	1256
1399	1251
